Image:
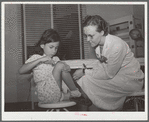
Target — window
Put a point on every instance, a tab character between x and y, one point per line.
65	18
37	18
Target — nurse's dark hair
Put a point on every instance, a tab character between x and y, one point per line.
49	35
98	21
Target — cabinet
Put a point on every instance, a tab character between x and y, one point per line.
121	28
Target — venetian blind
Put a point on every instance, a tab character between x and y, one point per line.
66	22
88	50
37	19
85	43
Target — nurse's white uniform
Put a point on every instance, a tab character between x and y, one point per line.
108	84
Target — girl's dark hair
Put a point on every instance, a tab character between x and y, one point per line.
101	24
48	36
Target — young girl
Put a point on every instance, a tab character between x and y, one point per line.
48	71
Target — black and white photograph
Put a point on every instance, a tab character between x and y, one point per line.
74	60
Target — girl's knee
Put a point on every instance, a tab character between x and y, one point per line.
59	65
62	66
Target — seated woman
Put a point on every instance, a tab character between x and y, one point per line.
116	75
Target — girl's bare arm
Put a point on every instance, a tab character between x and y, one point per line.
29	66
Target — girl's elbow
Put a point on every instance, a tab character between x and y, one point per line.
20	71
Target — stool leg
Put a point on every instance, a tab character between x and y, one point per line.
51	110
57	110
33	105
136	104
65	109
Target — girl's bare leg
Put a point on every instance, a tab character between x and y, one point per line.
65	75
59	73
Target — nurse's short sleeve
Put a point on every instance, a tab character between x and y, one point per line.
33	58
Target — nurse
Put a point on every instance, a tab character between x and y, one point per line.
116	75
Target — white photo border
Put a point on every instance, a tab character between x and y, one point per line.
51	116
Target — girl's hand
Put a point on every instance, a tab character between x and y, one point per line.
47	60
78	74
44	59
52	62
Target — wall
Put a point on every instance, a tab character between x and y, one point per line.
138	11
112	12
13	50
109	12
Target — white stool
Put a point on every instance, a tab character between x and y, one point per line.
57	106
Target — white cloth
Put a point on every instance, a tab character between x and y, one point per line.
108	84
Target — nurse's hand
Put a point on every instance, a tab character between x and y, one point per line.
78	74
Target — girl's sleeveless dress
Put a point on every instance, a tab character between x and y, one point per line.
46	87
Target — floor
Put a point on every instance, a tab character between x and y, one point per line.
26	106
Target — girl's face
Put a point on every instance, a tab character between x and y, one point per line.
50	49
92	35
